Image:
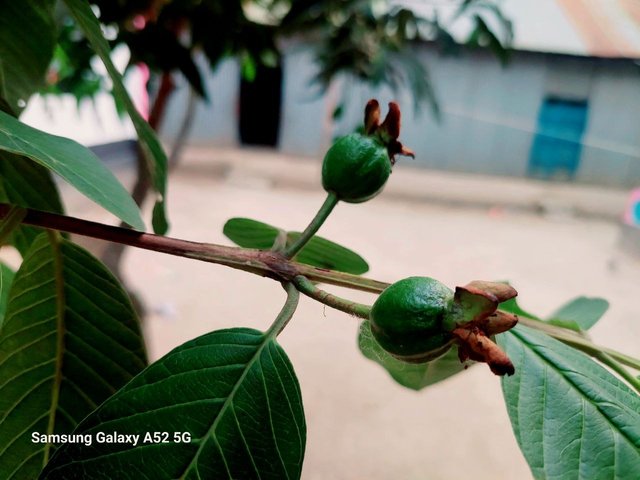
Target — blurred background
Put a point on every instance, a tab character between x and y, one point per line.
523	117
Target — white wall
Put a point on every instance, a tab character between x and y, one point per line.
612	141
216	120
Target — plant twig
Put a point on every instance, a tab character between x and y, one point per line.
326	208
266	264
352	308
259	262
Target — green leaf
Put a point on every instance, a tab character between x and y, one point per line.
234	391
512	306
581	313
154	153
571	417
27	184
318	252
410	375
76	164
323	253
6	278
70	340
27	41
249	233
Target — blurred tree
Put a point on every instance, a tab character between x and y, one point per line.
365	39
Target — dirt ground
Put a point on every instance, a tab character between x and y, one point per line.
361	425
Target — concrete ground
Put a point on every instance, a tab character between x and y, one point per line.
552	242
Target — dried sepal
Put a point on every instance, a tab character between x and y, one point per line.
499	322
391	125
388	131
475	345
477	318
500	292
371	117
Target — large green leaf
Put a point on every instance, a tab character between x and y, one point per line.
27	184
27	40
581	313
70	340
154	153
571	417
76	164
6	278
410	375
235	393
318	252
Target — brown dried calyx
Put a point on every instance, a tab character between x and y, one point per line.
478	304
389	131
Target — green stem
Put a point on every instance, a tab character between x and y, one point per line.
287	311
12	220
619	369
309	289
326	208
579	342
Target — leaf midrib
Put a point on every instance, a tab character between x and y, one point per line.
267	337
54	240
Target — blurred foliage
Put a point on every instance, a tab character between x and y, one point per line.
365	39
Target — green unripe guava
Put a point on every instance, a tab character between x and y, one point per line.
355	168
407	318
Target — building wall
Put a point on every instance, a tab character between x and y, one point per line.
489	113
612	152
216	119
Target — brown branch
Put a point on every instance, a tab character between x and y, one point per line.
260	262
269	264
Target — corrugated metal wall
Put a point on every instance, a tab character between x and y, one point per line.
489	113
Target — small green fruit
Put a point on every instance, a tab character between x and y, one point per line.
407	318
356	168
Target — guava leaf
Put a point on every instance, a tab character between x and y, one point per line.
581	313
27	184
571	417
76	164
6	278
512	306
27	41
70	339
410	375
318	252
153	151
234	391
248	233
